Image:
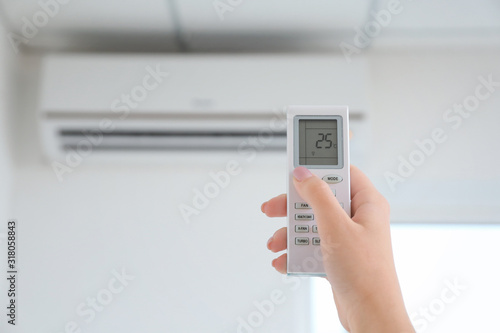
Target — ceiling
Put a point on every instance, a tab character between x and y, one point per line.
195	25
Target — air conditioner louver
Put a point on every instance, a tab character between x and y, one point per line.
152	140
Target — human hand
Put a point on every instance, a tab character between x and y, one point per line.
357	252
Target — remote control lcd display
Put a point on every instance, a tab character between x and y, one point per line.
318	143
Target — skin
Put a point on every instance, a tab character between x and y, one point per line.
357	252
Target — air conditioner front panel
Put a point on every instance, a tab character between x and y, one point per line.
199	102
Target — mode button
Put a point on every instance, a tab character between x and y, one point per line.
332	179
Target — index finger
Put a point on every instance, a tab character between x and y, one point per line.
276	207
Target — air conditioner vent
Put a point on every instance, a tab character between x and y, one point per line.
152	140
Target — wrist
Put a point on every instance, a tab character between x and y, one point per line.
381	311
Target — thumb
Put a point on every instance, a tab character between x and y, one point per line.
328	213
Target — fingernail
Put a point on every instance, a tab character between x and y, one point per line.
263	207
301	173
269	242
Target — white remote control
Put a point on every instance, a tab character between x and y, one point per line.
318	139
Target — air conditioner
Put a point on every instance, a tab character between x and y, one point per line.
156	105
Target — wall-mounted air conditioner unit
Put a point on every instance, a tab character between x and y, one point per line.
163	104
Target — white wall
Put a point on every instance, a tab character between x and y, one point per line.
411	92
5	139
7	68
197	277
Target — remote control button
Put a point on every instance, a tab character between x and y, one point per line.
302	205
332	179
301	228
341	204
316	241
315	228
334	191
304	217
301	241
